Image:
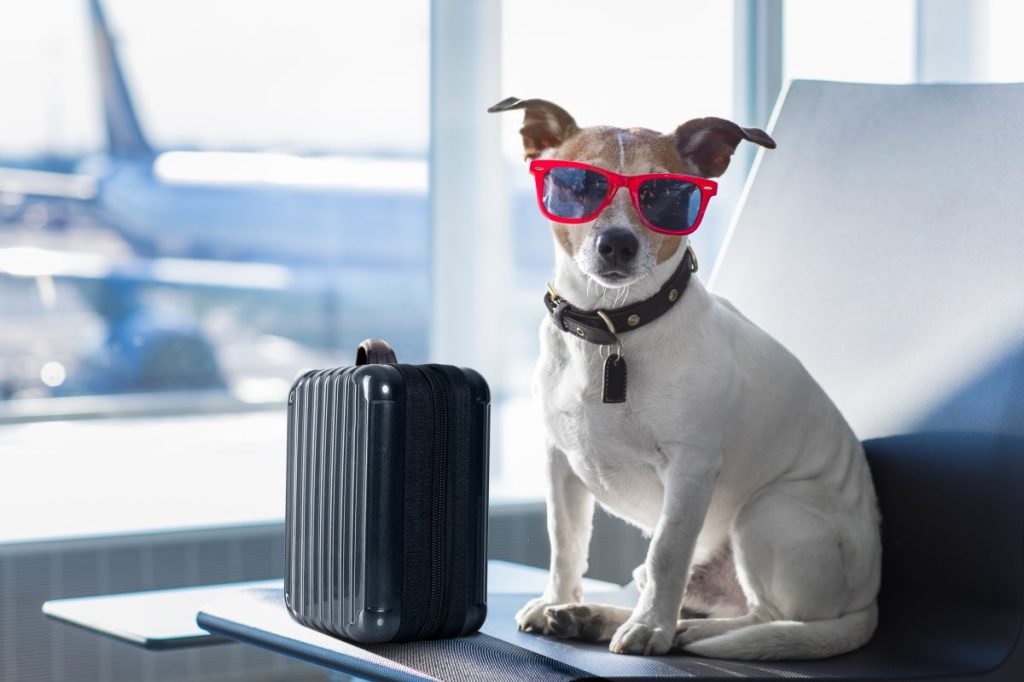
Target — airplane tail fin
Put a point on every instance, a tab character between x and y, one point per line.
791	640
124	133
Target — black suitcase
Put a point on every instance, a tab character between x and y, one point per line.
386	519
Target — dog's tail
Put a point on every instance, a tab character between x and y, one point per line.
792	640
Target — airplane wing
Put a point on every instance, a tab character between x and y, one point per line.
302	304
27	261
47	184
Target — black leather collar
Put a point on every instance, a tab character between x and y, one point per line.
602	326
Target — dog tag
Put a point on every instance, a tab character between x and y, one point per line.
614	379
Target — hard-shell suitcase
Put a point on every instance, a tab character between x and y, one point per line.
386	519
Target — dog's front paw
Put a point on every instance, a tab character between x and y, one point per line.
636	637
531	618
579	621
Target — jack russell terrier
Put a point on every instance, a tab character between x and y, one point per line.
717	442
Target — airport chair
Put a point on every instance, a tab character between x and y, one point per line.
883	243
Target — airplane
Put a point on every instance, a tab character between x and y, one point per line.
320	250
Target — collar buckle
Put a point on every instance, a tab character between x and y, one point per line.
693	257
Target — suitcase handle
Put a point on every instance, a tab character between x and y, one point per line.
375	352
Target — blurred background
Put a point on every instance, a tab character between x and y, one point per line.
200	200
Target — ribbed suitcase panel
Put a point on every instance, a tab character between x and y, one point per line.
307	480
326	529
291	496
351	455
321	398
326	497
331	567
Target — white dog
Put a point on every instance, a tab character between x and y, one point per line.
717	442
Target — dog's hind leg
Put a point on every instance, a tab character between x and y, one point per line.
590	622
809	578
713	590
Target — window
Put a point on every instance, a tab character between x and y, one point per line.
305	76
50	93
275	211
269	214
1003	60
871	41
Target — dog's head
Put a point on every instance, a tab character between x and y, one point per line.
616	248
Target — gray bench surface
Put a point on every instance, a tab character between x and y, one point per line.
166	619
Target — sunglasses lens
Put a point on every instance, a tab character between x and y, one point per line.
573	192
670	204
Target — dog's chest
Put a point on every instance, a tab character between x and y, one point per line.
614	448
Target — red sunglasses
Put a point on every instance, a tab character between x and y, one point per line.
570	192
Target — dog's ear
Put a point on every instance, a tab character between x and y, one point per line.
545	124
707	144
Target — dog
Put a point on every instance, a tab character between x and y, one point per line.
716	442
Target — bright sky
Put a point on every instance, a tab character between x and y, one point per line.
307	74
352	75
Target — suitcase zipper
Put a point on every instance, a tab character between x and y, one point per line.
438	517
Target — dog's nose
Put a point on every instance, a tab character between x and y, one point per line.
617	246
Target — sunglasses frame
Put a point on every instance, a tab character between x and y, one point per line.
540	167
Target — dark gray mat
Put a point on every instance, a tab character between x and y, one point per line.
904	647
